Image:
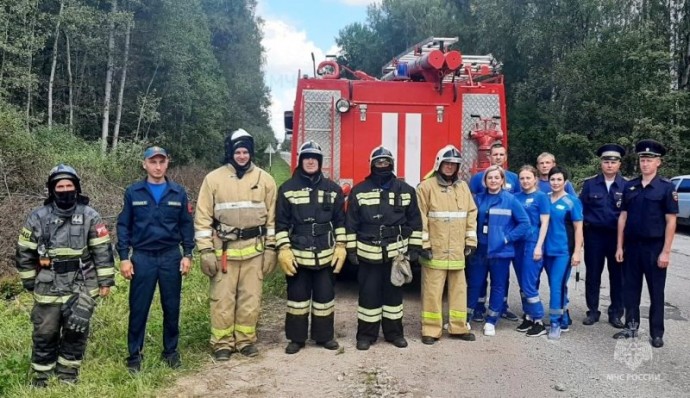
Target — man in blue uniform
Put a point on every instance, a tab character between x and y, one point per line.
646	228
154	222
601	199
545	162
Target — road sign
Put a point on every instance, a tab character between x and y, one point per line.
269	149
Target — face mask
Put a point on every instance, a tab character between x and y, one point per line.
66	199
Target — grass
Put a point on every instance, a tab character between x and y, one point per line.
103	372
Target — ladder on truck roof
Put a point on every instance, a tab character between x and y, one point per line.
471	63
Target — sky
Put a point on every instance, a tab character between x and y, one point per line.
292	30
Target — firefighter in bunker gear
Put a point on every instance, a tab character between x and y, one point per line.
310	235
235	233
382	221
63	251
449	220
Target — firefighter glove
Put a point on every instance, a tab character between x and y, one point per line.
269	261
352	257
79	309
401	271
339	256
426	254
469	251
286	260
413	254
209	263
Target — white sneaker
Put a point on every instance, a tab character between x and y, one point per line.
469	327
489	329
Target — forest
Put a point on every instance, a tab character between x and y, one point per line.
579	73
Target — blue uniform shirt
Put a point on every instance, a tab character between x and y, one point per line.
512	183
556	243
146	225
647	207
545	187
536	204
157	190
602	206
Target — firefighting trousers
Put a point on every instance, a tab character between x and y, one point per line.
310	291
153	268
641	261
380	303
433	282
235	299
600	247
528	272
558	269
55	348
499	270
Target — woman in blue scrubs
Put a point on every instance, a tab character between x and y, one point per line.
562	248
528	252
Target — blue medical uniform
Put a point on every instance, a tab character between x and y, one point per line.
558	248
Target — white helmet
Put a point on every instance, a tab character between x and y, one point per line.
448	153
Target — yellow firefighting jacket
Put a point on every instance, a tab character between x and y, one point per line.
449	218
230	204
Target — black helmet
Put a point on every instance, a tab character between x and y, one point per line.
62	172
310	147
380	153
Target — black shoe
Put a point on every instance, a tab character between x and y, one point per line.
508	315
428	340
625	334
478	317
330	345
525	325
399	342
616	323
469	336
134	364
222	355
536	330
293	347
249	351
172	360
657	342
363	345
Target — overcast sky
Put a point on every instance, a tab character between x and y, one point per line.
292	31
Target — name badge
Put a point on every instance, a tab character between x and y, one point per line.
508	186
177	204
140	203
529	200
560	207
485	229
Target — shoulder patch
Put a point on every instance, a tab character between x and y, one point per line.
101	230
675	196
25	234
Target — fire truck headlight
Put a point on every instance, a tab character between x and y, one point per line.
342	105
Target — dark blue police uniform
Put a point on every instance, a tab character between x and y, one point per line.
601	208
155	232
645	229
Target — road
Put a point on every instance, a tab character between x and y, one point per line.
586	362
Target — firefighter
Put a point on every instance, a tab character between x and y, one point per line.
601	199
646	227
562	248
155	222
449	237
64	257
310	235
383	223
235	234
501	221
498	157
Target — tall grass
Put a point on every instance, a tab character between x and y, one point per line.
103	373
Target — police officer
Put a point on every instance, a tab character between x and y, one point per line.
601	199
449	237
310	235
383	222
646	228
235	232
64	257
154	222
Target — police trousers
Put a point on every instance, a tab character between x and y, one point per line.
528	273
433	283
310	291
235	299
380	303
54	346
641	261
153	268
600	247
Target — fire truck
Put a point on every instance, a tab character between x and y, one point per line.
427	97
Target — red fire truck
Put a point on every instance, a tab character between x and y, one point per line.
427	97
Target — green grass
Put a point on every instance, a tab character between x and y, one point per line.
103	372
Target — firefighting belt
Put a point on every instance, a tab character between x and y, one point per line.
228	233
65	266
314	229
384	232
